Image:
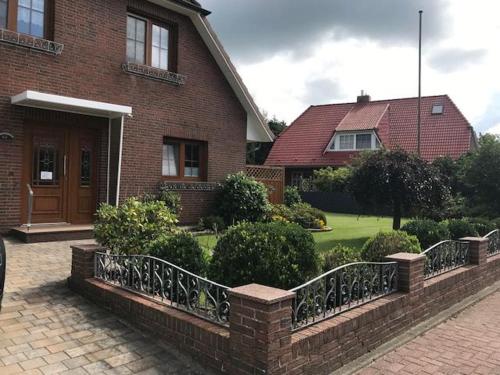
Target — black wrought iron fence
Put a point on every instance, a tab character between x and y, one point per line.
493	242
165	282
342	289
445	256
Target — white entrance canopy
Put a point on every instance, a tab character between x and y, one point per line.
67	104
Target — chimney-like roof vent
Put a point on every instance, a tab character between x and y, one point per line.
363	98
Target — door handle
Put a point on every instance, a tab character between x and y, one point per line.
64	165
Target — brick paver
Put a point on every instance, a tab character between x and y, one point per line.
466	344
47	329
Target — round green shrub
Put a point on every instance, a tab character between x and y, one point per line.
307	216
428	232
460	228
172	200
242	198
483	226
387	243
133	225
292	196
181	249
338	256
277	254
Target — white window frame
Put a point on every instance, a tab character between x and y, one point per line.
334	145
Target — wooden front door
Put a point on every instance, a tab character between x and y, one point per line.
60	164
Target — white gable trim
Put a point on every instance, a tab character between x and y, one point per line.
257	129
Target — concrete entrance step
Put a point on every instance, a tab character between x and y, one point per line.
53	232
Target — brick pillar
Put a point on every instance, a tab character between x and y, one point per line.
478	250
260	329
410	271
82	263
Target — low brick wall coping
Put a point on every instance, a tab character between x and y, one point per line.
405	257
262	294
88	248
474	239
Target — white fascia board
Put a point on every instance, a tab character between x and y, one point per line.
257	130
42	100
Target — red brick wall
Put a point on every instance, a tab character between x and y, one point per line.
94	37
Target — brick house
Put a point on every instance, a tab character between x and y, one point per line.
100	100
332	135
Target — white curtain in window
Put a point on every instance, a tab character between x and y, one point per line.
170	160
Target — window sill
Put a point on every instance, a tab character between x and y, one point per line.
154	73
189	186
28	41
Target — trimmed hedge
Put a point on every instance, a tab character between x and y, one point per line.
461	228
277	254
387	243
428	232
339	256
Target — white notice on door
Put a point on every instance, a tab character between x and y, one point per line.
45	175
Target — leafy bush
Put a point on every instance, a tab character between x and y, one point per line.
461	228
339	256
242	198
292	196
303	214
172	200
181	249
133	225
329	179
280	255
496	222
213	223
428	232
387	243
483	226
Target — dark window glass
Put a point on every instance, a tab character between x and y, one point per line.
3	14
363	141
45	165
30	17
136	40
192	160
85	167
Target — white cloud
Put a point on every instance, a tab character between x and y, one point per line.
280	83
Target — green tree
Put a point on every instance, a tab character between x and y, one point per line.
329	179
482	176
398	180
257	152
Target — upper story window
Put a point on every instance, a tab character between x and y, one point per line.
150	43
355	142
184	159
3	14
25	16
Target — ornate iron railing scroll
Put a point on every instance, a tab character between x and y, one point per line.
162	281
493	242
444	257
342	289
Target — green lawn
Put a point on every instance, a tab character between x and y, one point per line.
348	230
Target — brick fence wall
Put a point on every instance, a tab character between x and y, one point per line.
259	339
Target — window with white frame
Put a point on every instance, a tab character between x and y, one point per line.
355	142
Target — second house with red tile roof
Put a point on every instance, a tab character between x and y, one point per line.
332	135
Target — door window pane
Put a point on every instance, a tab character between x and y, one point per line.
136	40
363	141
192	160
159	56
45	165
170	159
30	17
85	167
3	14
346	142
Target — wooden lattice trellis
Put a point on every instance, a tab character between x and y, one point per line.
272	177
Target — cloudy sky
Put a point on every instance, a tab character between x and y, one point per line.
294	53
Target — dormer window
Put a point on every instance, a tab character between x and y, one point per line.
150	43
437	109
354	142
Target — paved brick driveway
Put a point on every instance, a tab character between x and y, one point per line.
466	344
47	329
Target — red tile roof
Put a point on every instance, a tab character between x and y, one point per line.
303	143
